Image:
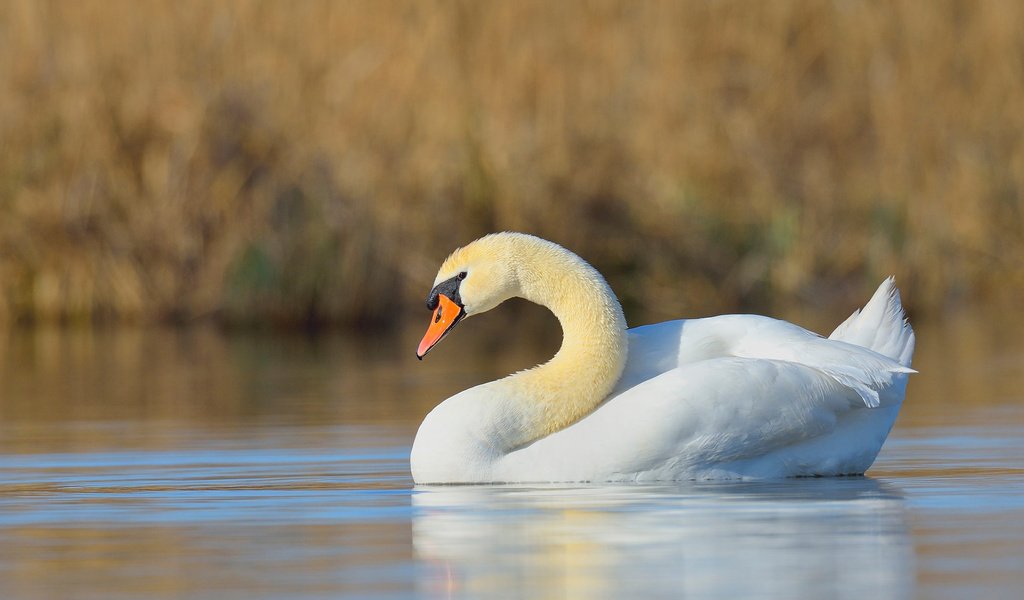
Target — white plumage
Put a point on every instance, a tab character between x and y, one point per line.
735	396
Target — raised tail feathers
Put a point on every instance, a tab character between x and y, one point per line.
880	326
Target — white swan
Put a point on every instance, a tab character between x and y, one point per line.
735	396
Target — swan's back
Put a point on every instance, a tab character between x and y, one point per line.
738	396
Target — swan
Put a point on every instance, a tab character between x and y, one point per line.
725	397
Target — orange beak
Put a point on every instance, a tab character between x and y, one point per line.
446	315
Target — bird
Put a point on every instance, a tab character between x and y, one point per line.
725	397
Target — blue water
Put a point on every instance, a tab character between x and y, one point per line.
263	512
190	464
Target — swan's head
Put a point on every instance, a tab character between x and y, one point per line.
474	279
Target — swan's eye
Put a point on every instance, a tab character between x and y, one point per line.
462	275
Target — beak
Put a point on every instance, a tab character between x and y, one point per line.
446	315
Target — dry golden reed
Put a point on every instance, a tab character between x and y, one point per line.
309	162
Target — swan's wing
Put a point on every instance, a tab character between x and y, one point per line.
730	409
881	325
657	349
712	415
863	371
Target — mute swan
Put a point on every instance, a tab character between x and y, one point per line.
734	396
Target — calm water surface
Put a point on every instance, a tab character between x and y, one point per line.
166	464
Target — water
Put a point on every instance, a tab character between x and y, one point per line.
166	464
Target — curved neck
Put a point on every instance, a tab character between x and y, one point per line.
592	356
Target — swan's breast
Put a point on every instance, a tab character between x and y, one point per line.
458	440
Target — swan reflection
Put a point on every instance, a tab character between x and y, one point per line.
840	538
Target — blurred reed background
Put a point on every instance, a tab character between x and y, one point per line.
304	163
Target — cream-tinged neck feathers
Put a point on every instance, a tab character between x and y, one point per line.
534	403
